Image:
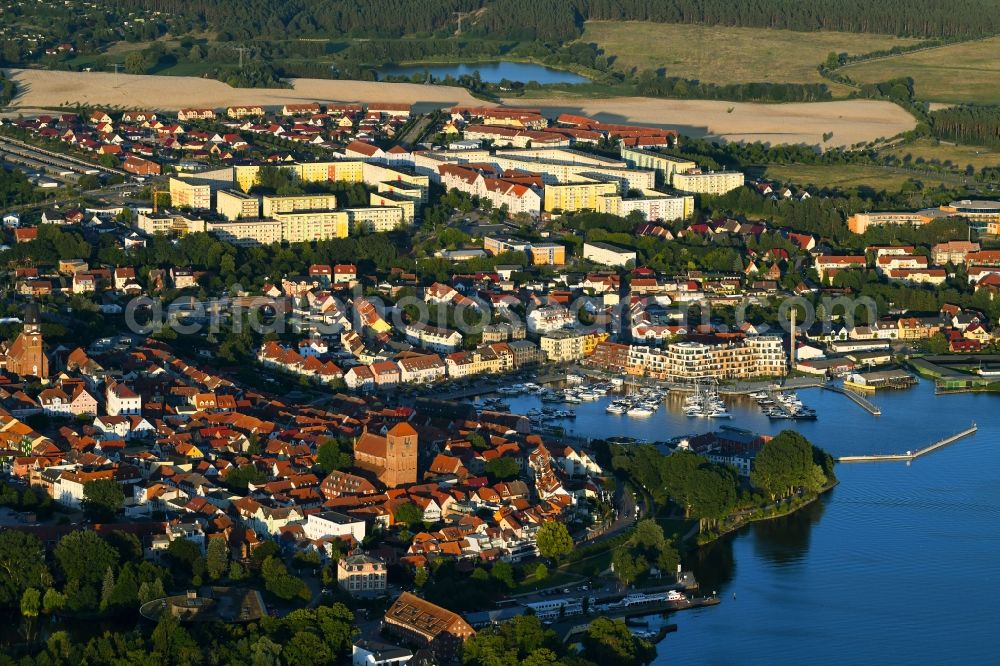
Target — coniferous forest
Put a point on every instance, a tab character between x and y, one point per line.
563	19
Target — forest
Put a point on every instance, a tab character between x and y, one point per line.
978	125
562	19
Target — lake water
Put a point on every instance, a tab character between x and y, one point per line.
898	564
490	72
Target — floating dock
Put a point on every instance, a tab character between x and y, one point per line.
910	455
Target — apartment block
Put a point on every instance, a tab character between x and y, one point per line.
709	182
185	194
306	226
577	196
234	205
665	166
270	205
652	205
374	219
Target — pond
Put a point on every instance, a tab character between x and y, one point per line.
490	72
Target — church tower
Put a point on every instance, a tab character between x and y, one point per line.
26	356
400	455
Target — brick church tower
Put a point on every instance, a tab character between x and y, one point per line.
26	356
400	455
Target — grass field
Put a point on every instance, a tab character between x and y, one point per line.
847	176
959	155
728	55
957	73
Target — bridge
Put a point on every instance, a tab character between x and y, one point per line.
910	455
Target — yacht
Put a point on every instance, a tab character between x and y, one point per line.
639	410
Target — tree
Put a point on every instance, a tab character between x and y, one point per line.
420	577
85	557
409	514
503	573
280	583
784	464
330	457
306	649
53	601
22	565
503	468
609	641
265	652
135	63
102	499
217	559
541	572
553	540
31	607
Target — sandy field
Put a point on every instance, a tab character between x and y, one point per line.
850	121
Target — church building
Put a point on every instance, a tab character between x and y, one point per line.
393	458
26	355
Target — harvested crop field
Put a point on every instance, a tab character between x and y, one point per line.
850	121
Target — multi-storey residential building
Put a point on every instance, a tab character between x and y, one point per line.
710	182
247	232
953	252
758	356
306	226
575	196
431	337
547	319
421	369
562	346
272	204
184	194
375	219
652	205
235	205
665	166
391	200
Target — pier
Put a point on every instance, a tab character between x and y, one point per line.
910	455
857	398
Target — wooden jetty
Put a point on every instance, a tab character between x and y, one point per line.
910	455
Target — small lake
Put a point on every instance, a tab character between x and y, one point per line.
490	72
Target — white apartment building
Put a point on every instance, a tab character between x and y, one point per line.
441	340
333	524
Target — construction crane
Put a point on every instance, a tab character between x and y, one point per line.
156	193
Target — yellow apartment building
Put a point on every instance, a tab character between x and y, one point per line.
577	196
305	226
